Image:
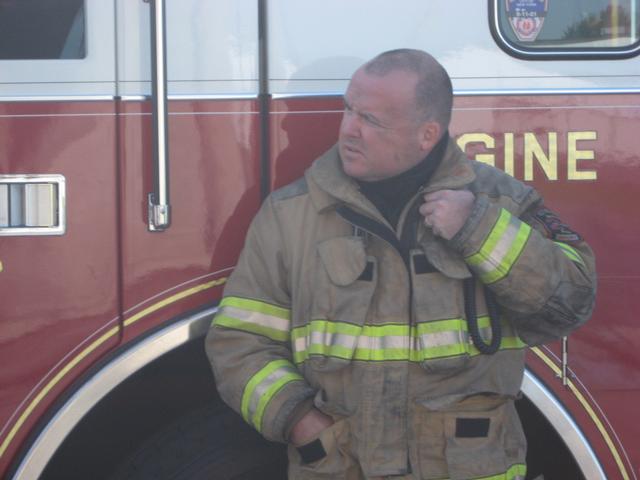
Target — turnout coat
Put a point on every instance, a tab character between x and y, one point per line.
330	306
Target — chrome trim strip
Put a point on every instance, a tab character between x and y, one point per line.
221	96
564	424
57	98
108	378
188	97
550	91
288	96
486	92
133	98
605	54
61	196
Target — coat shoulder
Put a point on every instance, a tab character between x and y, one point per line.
294	189
495	183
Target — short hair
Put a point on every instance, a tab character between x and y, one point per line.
434	93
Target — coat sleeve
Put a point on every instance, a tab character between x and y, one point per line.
248	343
542	272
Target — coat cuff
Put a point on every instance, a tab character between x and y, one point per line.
291	410
478	211
493	242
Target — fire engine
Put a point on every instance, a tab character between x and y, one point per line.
138	139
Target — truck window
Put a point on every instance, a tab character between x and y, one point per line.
42	29
530	28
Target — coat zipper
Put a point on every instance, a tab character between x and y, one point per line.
390	237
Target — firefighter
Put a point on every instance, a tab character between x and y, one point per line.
378	315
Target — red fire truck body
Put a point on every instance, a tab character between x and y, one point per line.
99	303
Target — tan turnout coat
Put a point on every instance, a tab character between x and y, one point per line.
323	308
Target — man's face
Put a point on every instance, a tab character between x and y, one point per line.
380	135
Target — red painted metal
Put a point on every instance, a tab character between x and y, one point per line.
58	293
215	192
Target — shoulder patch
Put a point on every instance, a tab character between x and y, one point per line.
553	227
294	189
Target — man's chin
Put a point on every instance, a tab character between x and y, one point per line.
350	167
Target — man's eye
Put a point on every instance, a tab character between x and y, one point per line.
372	121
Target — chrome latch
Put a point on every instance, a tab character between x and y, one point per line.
32	205
159	215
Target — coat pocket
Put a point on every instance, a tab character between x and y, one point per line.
336	460
344	282
484	442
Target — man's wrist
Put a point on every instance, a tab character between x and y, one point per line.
298	413
309	427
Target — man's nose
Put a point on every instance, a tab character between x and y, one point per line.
350	125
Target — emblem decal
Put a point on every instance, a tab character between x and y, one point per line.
553	227
526	17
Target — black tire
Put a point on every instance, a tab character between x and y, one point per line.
210	443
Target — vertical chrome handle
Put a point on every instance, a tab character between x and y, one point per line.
159	206
565	361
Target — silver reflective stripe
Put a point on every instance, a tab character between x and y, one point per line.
441	339
384	343
497	255
365	342
263	387
333	339
256	318
300	344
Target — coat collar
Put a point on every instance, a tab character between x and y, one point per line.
329	186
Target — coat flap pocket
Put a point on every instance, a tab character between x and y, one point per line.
344	259
484	438
442	257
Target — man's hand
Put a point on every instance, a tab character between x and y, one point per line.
445	211
309	427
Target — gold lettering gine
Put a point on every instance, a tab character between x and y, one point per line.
486	139
531	156
533	149
573	155
509	159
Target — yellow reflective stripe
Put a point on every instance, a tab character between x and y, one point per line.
263	386
501	249
321	337
254	317
515	472
222	320
256	306
570	252
426	341
492	240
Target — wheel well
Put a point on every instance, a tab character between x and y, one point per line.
180	381
547	454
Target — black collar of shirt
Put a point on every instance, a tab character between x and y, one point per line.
390	195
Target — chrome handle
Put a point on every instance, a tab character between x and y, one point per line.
32	205
158	200
565	361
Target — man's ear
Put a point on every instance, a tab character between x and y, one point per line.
429	134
